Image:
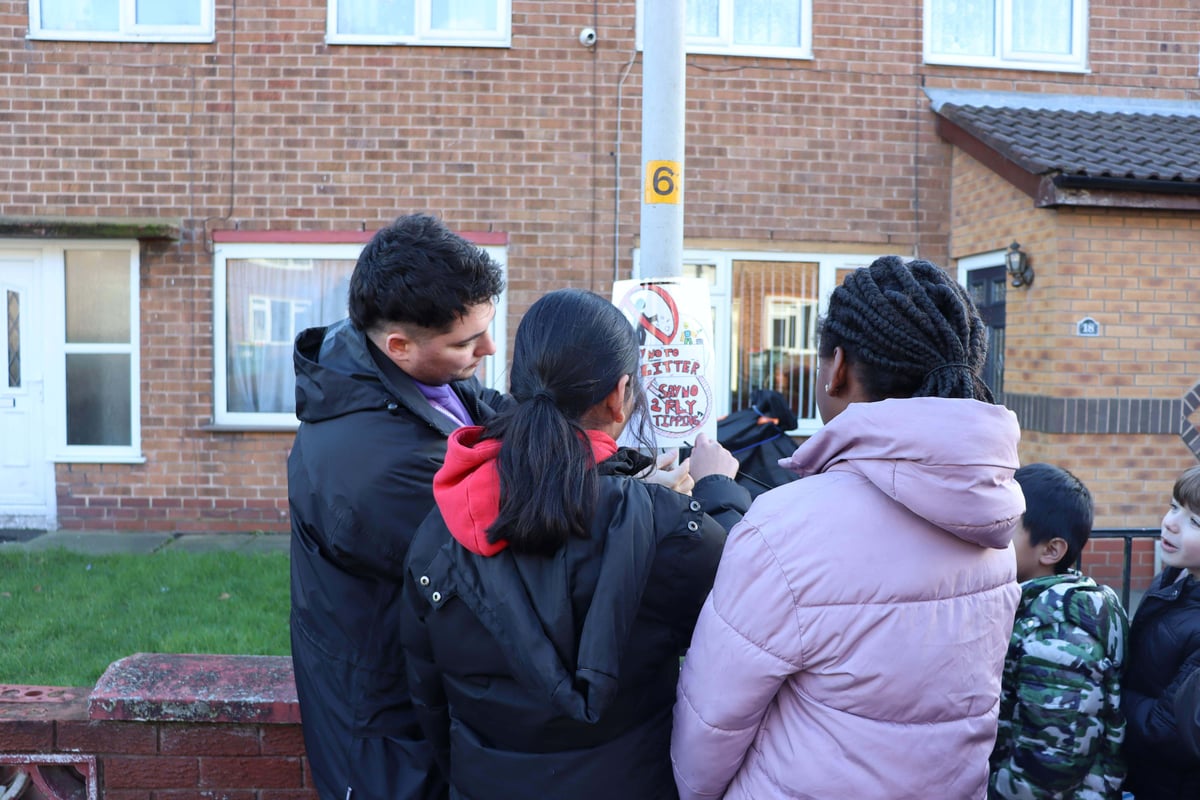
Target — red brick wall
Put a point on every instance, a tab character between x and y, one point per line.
781	153
157	728
1125	268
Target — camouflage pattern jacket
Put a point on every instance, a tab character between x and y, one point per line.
1061	725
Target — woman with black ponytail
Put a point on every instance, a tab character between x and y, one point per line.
854	640
549	596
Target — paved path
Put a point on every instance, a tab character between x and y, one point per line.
103	542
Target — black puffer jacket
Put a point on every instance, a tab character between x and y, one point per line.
554	677
360	480
1164	649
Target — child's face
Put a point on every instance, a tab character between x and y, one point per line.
1034	560
1179	541
1027	554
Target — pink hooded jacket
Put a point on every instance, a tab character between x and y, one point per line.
853	643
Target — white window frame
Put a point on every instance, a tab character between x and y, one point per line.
721	298
495	365
1006	57
128	30
57	350
723	44
423	34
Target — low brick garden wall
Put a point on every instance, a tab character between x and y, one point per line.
159	727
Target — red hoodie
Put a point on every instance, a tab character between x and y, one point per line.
467	487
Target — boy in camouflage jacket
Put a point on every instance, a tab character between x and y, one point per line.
1061	725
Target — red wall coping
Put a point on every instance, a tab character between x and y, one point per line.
162	726
156	687
482	238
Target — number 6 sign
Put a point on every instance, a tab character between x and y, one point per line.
663	179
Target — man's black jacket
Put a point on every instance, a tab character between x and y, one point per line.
360	478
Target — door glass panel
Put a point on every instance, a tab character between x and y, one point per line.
993	370
97	288
774	311
987	288
706	271
13	339
98	401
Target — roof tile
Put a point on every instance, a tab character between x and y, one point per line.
1133	146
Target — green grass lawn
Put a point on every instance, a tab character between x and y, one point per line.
64	617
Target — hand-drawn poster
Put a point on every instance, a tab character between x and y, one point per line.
673	320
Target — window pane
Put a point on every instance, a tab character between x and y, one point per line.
706	271
268	301
963	27
463	15
767	22
13	305
98	399
993	369
376	17
81	15
1042	26
703	18
774	336
164	12
97	288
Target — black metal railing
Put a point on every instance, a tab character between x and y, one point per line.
1127	535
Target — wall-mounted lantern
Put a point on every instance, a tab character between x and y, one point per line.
1016	262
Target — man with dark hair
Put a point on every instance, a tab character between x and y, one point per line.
377	396
1061	725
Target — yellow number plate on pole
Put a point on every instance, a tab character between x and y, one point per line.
663	182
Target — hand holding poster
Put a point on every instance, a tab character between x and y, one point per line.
673	320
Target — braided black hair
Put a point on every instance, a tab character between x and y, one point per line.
909	330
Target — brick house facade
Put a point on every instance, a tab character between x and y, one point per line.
143	179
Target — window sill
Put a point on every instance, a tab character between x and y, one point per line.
1018	66
247	427
98	459
104	36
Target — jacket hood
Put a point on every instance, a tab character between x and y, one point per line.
949	461
335	373
1074	599
467	487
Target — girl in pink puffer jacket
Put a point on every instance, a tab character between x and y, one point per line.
853	643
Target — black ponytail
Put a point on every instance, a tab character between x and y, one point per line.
571	350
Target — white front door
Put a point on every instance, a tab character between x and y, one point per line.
26	475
